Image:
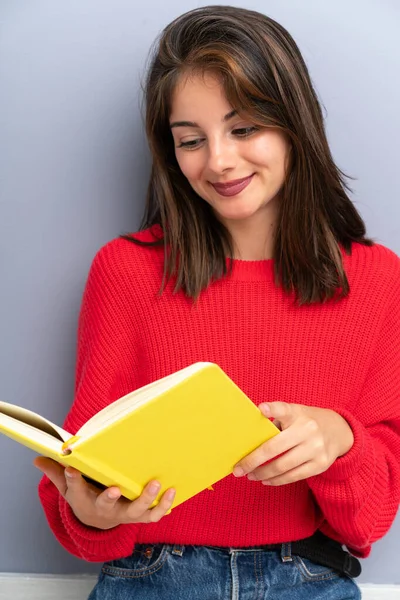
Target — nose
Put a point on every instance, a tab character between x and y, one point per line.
221	155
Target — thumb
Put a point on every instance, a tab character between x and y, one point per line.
54	471
281	413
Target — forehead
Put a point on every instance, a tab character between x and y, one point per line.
198	93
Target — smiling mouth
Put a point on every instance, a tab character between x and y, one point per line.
231	188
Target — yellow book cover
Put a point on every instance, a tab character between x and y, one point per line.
187	430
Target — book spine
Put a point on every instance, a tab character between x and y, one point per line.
66	447
101	473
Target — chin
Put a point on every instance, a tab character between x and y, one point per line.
236	213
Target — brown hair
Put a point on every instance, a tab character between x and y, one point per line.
263	74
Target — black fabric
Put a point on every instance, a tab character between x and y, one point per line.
323	550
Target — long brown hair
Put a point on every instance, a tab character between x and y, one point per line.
264	75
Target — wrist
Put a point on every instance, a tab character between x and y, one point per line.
92	521
345	437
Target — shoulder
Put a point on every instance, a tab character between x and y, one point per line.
376	260
121	253
121	259
373	268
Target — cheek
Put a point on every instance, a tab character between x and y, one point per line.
270	151
190	164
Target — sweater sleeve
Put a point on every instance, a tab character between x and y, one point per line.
105	370
360	493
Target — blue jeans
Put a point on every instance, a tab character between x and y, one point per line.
166	572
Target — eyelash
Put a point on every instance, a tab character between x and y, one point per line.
192	145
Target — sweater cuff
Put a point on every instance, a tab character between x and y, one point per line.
98	545
349	464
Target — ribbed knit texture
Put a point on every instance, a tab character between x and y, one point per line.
344	356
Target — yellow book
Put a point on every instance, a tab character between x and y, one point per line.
187	430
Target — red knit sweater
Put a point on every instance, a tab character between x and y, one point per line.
344	356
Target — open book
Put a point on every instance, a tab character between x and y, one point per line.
187	430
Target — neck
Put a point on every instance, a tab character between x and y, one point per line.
252	241
253	248
254	236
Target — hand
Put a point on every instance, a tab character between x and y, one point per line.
104	509
311	440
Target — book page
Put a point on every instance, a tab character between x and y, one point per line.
28	435
35	421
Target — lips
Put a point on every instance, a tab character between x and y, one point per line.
231	188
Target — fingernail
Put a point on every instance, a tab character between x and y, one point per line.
154	488
112	494
251	477
238	471
170	495
265	409
68	474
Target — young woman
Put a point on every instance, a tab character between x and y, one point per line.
250	255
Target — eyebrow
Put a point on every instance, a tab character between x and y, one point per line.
193	124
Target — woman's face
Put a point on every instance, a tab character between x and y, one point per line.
214	146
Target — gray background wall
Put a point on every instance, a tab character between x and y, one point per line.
73	171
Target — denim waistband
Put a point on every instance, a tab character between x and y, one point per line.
318	548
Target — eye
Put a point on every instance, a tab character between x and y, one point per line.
241	132
191	144
244	131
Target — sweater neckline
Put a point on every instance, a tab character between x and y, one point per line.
242	270
238	269
250	270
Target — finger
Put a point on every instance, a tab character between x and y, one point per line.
140	508
284	412
301	472
277	445
106	501
142	504
77	488
163	507
287	462
54	471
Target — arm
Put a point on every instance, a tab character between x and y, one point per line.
350	458
359	493
106	367
88	543
87	508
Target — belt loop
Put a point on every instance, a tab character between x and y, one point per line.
286	552
178	550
